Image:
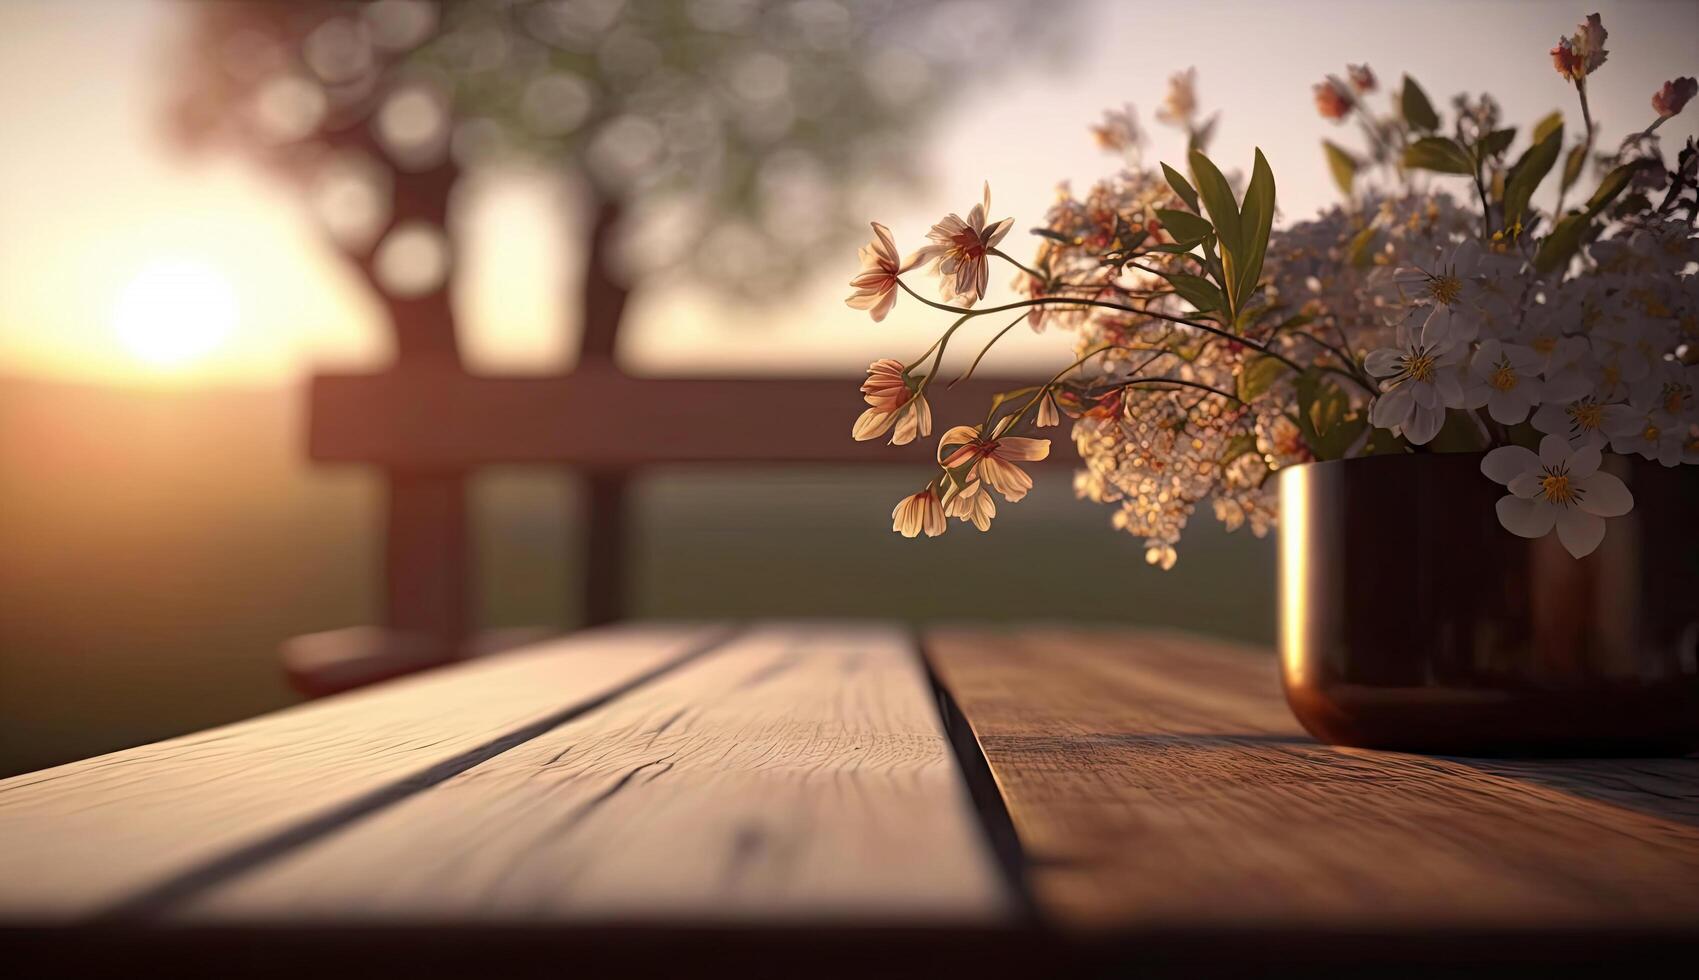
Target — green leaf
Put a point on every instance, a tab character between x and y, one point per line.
1572	165
1547	125
1613	185
1416	108
1557	248
1342	164
1526	174
1181	187
1242	444
1361	250
1495	142
1257	220
1196	290
1440	154
1054	236
1258	374
1217	198
1186	227
1324	416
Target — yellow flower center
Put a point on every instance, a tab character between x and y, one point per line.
1503	377
1651	433
1544	345
1612	374
1420	367
1587	415
1444	289
1557	488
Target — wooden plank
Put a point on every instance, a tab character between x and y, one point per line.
799	774
1157	784
437	419
130	830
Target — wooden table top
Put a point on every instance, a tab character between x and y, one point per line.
833	798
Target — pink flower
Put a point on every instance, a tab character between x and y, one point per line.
892	404
1182	101
1674	96
1119	130
992	460
918	512
1333	99
1362	78
876	286
959	250
1582	53
971	503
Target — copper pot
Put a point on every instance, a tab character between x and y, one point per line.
1410	619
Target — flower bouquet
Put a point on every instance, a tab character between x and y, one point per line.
1450	392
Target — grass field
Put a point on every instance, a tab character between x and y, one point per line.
156	545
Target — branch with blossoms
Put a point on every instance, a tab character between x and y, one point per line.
1210	351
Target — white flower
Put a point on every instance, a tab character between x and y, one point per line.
876	285
1560	487
1422	380
1504	378
893	405
1581	421
960	249
1448	282
1649	431
1566	367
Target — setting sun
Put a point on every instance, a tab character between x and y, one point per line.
174	312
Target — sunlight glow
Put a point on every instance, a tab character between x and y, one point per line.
174	312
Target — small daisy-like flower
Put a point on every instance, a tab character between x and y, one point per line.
971	503
1421	380
893	404
919	512
1504	378
1674	96
1362	78
876	285
1560	487
993	459
960	252
1333	100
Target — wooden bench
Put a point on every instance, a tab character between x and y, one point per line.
796	799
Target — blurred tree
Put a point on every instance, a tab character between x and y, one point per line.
740	131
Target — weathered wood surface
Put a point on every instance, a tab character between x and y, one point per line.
1158	785
796	774
126	830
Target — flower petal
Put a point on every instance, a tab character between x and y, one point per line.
1580	531
1527	485
1006	478
1017	447
1383	363
1508	462
1424	424
1554	449
1526	518
1604	495
1392	408
1584	462
872	424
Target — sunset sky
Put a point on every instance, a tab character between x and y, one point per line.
107	232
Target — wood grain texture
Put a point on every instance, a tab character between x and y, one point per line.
1158	784
84	839
797	774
